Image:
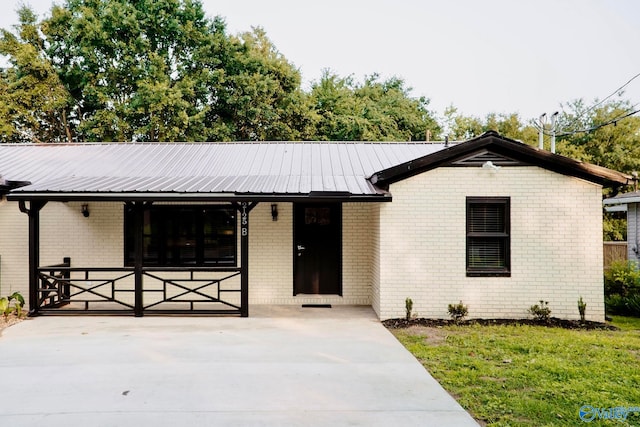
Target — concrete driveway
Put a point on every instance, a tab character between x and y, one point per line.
280	367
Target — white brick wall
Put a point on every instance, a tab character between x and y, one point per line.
357	252
271	257
375	263
14	249
98	241
556	244
95	241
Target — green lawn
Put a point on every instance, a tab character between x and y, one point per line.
533	375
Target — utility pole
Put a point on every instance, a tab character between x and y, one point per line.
552	127
541	131
554	116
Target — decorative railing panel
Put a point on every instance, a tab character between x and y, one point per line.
194	290
199	290
85	289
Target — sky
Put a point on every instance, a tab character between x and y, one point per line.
490	56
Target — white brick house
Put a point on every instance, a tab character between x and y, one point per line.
216	228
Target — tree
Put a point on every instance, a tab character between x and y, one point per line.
258	97
133	68
461	127
160	70
337	108
372	111
512	127
606	134
151	70
602	135
34	104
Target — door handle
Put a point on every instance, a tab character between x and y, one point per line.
301	249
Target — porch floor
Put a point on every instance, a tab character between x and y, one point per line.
297	311
255	310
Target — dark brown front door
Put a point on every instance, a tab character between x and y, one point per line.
317	249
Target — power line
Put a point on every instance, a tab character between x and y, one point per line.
613	121
582	114
617	91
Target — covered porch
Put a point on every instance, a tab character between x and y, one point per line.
82	265
138	287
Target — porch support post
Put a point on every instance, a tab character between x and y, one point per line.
34	250
244	208
138	209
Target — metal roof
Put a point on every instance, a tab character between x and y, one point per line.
623	198
252	171
270	168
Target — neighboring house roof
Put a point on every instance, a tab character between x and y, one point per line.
500	151
256	171
623	198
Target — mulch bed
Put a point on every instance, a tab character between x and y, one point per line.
5	322
552	323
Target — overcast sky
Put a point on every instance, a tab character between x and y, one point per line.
484	56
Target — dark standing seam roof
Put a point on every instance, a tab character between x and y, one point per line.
268	169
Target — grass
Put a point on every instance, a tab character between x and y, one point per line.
511	375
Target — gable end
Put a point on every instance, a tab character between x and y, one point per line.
501	148
481	157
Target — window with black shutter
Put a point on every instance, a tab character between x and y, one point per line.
488	236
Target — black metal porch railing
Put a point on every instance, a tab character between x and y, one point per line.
180	290
54	289
66	290
191	290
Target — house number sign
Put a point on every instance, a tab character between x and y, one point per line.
244	220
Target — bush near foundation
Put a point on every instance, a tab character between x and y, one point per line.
622	288
12	304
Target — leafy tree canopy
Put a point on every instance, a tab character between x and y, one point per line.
375	110
160	70
604	134
462	127
34	104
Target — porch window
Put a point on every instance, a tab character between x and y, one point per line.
488	236
184	235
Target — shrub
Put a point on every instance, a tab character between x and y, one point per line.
582	308
457	311
12	304
408	305
541	312
624	306
622	278
5	308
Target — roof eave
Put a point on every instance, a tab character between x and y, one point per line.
196	197
505	146
623	199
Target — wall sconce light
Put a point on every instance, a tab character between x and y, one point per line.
85	210
274	211
490	166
